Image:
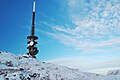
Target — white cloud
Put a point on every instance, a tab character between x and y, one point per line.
110	42
88	64
78	44
96	24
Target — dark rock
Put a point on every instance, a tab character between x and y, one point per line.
33	75
9	63
6	78
28	78
42	68
21	69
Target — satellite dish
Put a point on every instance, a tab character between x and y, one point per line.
31	43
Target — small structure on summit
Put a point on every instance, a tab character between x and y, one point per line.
32	43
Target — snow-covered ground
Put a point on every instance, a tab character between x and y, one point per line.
14	67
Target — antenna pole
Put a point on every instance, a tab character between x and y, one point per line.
33	20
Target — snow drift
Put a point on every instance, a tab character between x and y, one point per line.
14	67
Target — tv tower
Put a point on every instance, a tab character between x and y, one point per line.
32	43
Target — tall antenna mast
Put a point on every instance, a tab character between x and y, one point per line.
32	39
33	20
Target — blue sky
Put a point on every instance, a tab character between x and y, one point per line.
82	32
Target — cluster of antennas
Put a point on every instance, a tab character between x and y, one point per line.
32	45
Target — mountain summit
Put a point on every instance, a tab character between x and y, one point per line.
24	67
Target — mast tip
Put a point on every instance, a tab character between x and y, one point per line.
34	6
